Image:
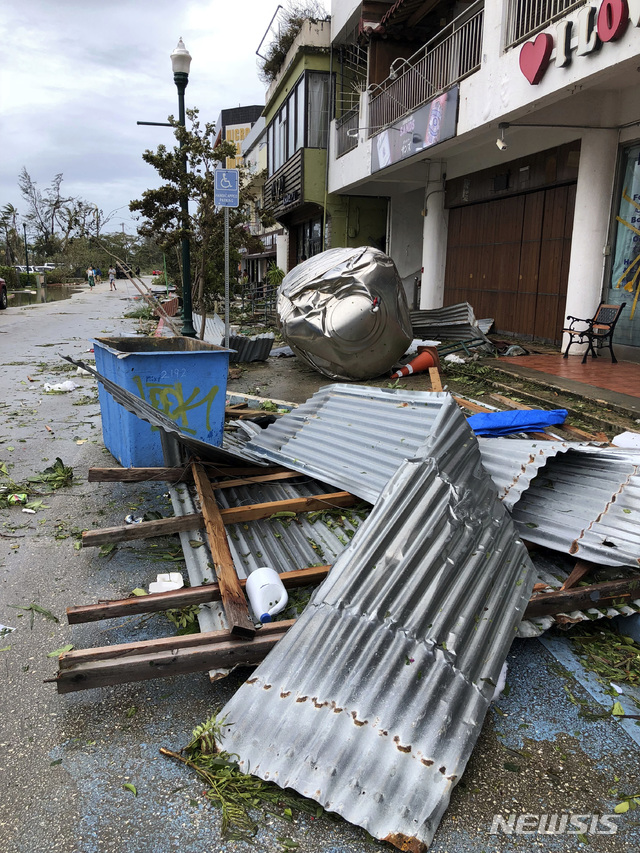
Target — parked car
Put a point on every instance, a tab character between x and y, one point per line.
3	294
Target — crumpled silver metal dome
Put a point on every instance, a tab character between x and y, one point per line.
345	313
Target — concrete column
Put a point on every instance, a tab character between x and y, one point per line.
434	243
596	175
282	251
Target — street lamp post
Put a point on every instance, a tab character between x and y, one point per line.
181	62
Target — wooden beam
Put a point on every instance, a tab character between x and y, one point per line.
141	475
238	514
137	475
434	376
472	407
249	481
233	515
577	573
71	659
232	594
143	530
179	598
175	661
583	597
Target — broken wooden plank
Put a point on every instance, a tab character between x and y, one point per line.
71	659
179	598
577	573
582	598
313	503
507	401
141	475
434	376
583	435
233	515
143	530
472	407
174	661
231	592
137	475
249	481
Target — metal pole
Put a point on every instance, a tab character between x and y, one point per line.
181	79
226	277
26	251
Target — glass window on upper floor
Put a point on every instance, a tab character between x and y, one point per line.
301	122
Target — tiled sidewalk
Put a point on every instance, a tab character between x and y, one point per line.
623	377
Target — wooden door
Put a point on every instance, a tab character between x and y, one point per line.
509	259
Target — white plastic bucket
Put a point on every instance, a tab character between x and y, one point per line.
266	593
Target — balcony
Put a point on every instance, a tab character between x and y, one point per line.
526	17
345	141
449	57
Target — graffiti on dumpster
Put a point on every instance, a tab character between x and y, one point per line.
170	400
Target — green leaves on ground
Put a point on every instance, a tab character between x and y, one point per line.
129	786
108	549
60	651
34	608
54	477
233	791
610	655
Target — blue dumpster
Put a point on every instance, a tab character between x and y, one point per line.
184	378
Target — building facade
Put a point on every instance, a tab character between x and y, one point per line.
298	111
506	138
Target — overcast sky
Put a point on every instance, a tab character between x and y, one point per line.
76	75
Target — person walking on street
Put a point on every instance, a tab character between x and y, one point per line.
98	276
112	278
91	277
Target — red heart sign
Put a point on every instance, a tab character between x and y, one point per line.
534	57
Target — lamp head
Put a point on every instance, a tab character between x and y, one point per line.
180	59
502	145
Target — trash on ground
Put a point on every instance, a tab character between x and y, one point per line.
627	439
514	350
166	582
344	312
516	420
452	358
60	387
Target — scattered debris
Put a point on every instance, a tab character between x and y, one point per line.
333	683
233	791
60	387
507	423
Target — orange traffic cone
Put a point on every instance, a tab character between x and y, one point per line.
420	363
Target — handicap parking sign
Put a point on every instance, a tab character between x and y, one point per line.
226	188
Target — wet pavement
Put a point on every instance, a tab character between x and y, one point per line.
64	759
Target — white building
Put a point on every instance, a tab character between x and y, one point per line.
520	221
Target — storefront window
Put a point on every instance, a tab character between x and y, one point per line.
625	269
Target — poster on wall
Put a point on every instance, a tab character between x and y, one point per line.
625	269
423	128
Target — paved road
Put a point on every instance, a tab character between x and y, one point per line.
64	759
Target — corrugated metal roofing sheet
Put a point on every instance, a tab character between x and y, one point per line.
457	322
372	702
586	503
353	436
255	348
513	463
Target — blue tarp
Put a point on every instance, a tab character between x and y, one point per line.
520	420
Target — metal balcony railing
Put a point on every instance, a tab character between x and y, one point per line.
526	17
450	56
347	122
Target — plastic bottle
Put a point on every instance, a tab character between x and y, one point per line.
266	593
